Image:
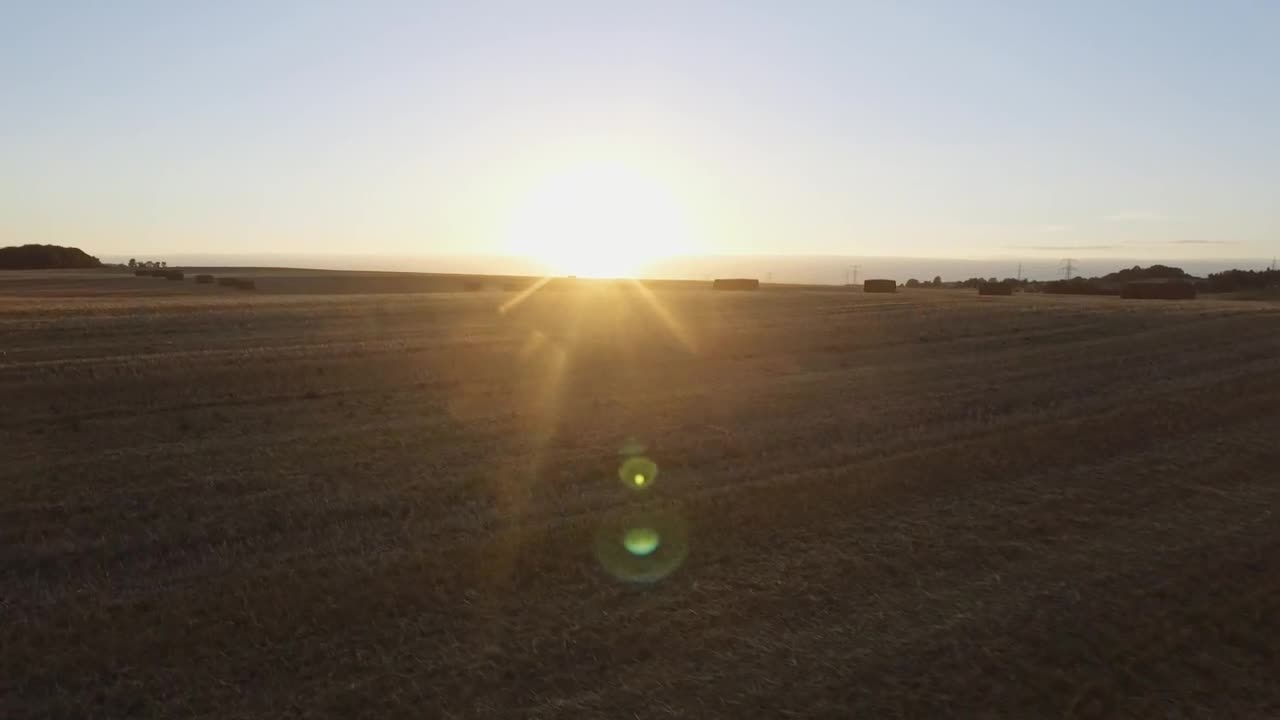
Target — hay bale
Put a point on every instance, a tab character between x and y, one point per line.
880	286
997	288
472	285
735	284
155	273
1079	286
1159	290
204	279
174	275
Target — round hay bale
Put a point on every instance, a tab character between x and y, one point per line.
997	288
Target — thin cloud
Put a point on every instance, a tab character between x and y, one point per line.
1137	216
1062	247
1180	242
1054	228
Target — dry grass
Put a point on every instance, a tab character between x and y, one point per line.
224	504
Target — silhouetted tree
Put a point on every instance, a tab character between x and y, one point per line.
133	263
1155	272
937	281
36	257
1234	280
913	283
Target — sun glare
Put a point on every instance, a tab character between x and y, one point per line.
599	220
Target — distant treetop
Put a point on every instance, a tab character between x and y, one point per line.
1155	272
41	257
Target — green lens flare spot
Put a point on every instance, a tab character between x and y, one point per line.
642	545
641	541
638	472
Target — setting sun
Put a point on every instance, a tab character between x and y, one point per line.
599	220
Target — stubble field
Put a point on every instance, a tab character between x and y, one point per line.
218	504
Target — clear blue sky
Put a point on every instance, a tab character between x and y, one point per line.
958	129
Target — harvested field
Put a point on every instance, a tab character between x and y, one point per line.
923	504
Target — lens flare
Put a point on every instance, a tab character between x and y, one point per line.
632	446
638	472
641	541
642	546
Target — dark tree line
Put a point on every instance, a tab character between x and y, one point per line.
1225	281
42	257
1112	283
1155	272
970	283
1235	280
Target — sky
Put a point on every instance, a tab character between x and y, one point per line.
924	129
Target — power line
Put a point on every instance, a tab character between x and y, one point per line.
1069	266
